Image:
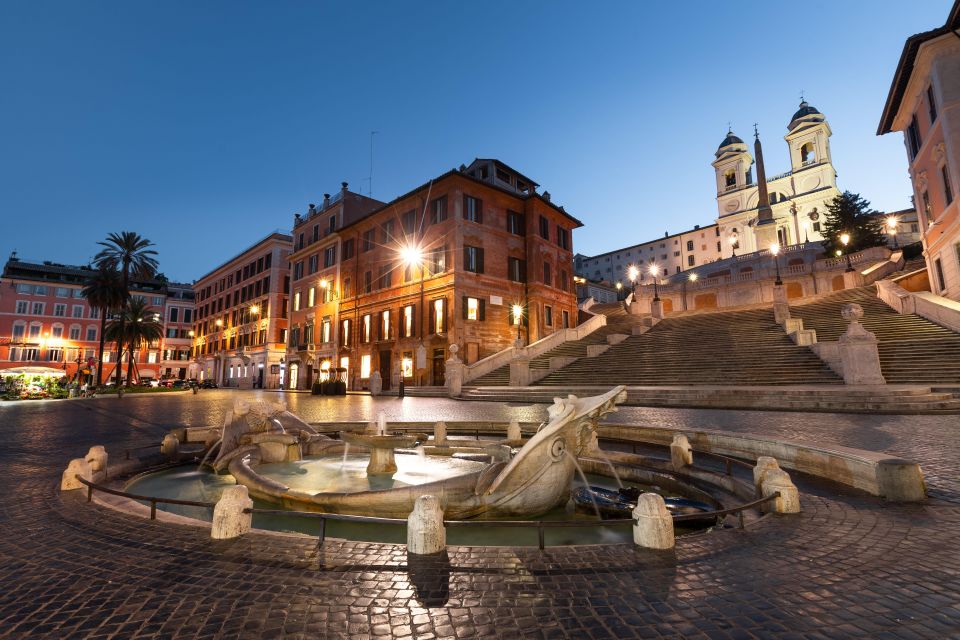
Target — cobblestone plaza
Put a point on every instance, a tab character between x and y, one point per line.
848	566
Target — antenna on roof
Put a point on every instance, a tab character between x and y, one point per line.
370	178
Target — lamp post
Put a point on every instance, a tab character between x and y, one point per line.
655	272
632	274
412	256
733	244
619	289
775	250
845	239
892	229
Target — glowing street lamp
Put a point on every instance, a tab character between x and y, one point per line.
255	310
775	250
733	239
191	333
517	316
693	277
845	239
892	224
655	271
219	322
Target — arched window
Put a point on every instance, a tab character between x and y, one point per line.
807	153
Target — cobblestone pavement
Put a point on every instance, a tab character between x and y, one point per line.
849	566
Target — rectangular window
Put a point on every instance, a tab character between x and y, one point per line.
38	308
365	366
439	316
938	266
174	314
516	270
408	325
437	260
548	315
366	329
547	276
564	280
516	224
24	288
472	209
348	249
91	334
386	232
947	189
409	222
438	210
188	315
406	364
369	238
472	309
62	292
345	332
312	263
74	333
689	245
913	137
332	224
566	319
385	325
22	306
473	259
152	357
385	277
157	301
330	256
544	228
34	331
690	261
563	238
40	290
296	301
931	104
56	331
325	330
298	270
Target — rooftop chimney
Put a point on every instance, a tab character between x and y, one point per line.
312	210
343	187
546	196
326	200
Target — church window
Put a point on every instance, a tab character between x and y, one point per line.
807	154
730	179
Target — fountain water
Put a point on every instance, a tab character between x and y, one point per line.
583	478
616	476
346	452
381	424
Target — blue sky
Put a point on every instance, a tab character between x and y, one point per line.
205	125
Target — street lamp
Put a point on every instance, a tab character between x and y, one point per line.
733	239
892	229
219	322
655	271
412	256
517	316
693	277
845	239
775	250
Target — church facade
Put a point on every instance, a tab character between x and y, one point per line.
797	198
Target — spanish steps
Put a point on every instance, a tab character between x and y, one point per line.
912	349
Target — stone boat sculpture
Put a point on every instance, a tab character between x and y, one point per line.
536	479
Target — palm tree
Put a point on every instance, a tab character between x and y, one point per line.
104	292
129	252
137	326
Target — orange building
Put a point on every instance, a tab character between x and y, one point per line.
475	257
240	324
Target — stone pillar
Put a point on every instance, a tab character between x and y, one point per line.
440	434
513	431
858	350
376	384
229	520
653	528
520	372
425	532
852	279
763	465
656	309
382	461
681	454
170	447
77	467
775	480
453	376
781	310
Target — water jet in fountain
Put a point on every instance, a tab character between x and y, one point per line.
583	479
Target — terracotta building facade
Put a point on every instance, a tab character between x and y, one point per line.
475	257
240	325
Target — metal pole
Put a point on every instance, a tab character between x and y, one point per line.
776	260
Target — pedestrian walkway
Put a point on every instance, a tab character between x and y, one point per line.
849	566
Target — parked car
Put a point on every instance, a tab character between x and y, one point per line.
179	384
208	384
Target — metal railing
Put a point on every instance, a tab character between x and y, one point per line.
153	500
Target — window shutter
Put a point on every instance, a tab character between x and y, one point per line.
431	319
379	330
480	260
483	309
479	211
464	307
466	258
443	304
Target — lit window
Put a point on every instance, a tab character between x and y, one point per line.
152	357
366	328
438	316
311	297
473	309
365	366
385	325
296	301
325	330
406	364
408	321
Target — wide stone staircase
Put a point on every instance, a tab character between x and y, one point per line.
912	349
618	321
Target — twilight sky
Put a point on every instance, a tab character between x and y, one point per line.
206	125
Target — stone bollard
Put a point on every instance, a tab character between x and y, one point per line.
859	356
513	431
425	532
656	309
781	309
229	520
763	465
653	528
520	372
77	467
376	384
97	457
170	447
777	480
440	434
681	454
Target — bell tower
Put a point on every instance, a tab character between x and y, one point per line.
733	168
808	138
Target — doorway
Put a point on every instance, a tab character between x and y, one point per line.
385	374
438	368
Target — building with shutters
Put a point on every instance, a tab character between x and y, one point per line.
394	284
